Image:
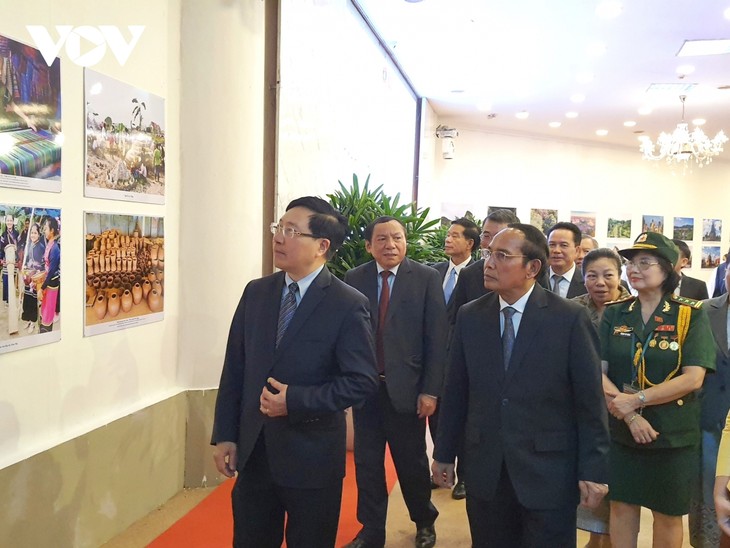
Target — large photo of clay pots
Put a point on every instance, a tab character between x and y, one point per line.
125	141
124	271
30	260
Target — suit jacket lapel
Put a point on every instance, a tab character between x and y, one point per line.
399	293
532	318
311	299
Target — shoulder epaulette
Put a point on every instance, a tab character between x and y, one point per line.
624	300
689	302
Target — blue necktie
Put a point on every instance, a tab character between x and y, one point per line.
450	283
286	312
508	336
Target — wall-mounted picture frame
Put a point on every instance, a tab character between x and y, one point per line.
684	228
585	220
31	139
711	230
619	226
543	219
710	256
652	223
125	271
125	141
30	254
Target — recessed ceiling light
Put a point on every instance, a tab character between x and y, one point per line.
554	124
704	47
644	110
522	115
699	121
601	132
629	123
577	98
584	77
594	49
684	70
571	114
643	138
609	9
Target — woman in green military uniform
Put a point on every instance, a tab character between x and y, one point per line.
655	349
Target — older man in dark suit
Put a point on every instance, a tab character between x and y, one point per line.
524	381
410	338
300	351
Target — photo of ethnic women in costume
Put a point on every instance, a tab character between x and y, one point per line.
125	141
30	118
30	255
125	271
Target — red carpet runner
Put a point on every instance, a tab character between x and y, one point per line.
210	523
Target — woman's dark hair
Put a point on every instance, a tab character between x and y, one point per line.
52	224
672	280
600	253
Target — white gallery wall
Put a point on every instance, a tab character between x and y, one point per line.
53	393
527	172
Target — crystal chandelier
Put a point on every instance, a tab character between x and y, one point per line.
682	145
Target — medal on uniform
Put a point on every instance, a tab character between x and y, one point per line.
674	345
652	343
663	345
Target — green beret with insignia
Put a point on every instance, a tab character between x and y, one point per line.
654	243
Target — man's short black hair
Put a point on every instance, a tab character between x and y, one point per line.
325	221
534	246
683	249
380	220
471	231
577	235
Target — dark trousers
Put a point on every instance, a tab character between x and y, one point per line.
259	507
460	468
376	424
503	522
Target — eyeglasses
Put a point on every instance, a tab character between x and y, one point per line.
641	264
499	256
288	231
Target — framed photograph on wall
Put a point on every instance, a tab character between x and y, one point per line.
125	141
652	223
684	228
710	256
125	271
30	253
585	220
711	230
619	226
30	118
544	219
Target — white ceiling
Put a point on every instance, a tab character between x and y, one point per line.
528	55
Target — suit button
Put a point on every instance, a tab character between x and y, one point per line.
505	401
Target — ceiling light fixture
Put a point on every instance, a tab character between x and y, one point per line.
682	145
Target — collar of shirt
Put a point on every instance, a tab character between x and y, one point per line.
303	284
519	306
394	270
456	267
567	276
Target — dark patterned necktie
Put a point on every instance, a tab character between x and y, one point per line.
382	312
286	312
508	335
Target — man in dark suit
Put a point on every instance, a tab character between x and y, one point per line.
715	399
524	381
461	240
410	339
300	351
470	284
689	287
564	277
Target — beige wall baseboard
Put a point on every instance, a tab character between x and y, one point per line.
85	491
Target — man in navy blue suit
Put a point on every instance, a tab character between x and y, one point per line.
524	385
300	351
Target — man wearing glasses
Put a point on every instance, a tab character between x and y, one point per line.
524	385
300	351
